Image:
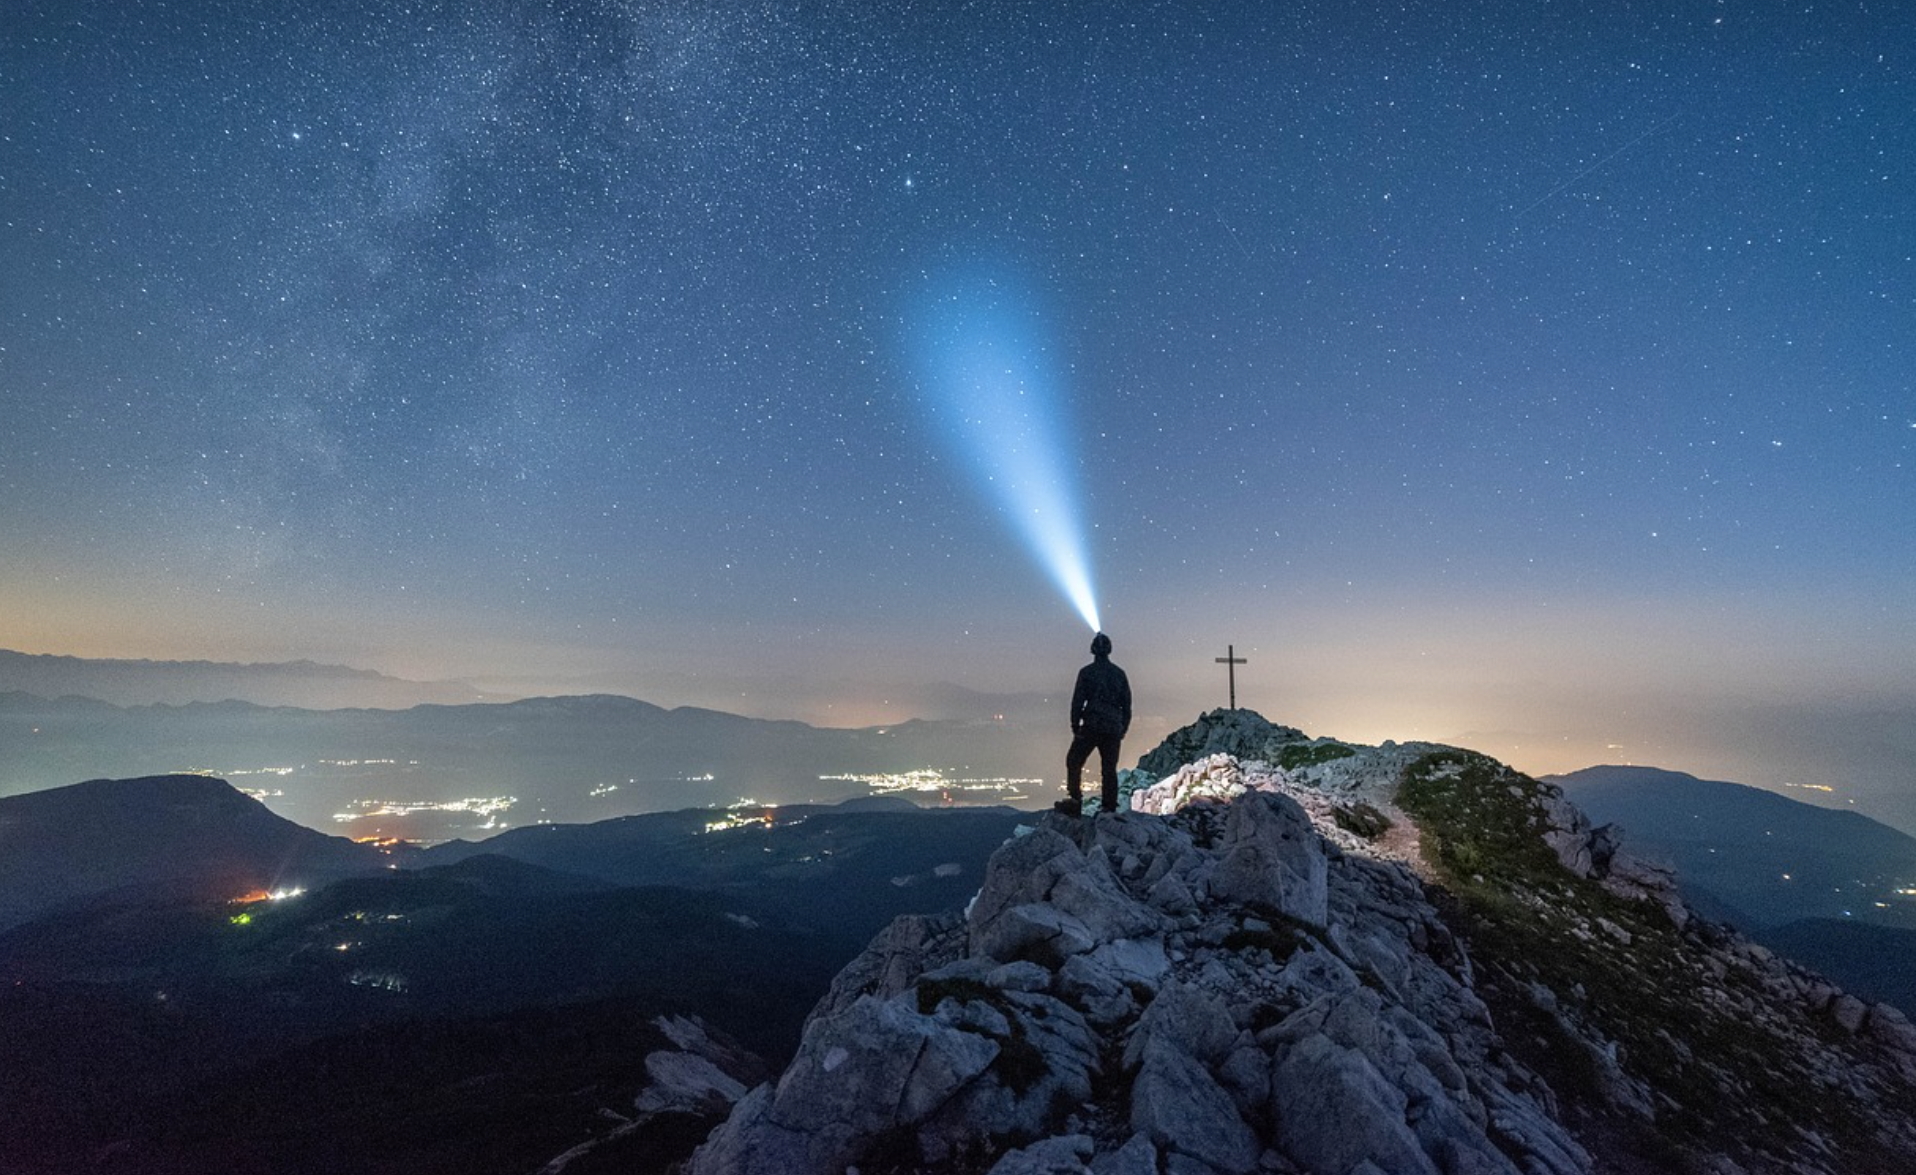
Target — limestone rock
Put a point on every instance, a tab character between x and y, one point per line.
860	1072
1138	1156
1334	1110
1179	1106
1047	870
1019	976
1273	858
703	1076
1034	931
1186	1019
1064	1155
1848	1011
1599	853
910	946
682	1082
1241	734
1217	779
1224	981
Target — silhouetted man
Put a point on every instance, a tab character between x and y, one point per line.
1100	714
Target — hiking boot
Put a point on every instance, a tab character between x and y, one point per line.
1069	807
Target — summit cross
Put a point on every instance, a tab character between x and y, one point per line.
1231	660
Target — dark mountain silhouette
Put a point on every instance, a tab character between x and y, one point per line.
875	838
500	991
863	864
187	835
502	1093
480	936
370	1024
285	683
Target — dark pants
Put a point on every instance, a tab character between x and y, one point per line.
1081	747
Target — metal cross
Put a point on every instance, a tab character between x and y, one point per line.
1231	659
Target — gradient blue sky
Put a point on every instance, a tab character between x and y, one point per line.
1538	375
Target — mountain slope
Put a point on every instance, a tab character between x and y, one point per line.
185	832
864	865
470	1012
470	1018
1403	960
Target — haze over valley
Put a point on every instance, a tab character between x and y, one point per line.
435	772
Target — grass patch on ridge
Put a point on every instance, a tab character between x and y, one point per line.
1621	972
1295	755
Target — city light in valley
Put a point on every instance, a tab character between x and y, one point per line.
488	806
929	779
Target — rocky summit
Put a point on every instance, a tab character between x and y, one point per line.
1336	960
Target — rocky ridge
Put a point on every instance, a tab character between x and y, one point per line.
1334	960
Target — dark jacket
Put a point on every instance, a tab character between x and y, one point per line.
1101	704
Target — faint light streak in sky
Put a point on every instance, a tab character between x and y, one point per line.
982	349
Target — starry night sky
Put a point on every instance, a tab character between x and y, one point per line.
1522	374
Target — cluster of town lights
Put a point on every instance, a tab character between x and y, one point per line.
927	779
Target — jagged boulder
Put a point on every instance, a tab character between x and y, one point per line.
1334	1110
1179	1105
1599	853
907	948
1043	898
1064	1155
1218	778
1108	981
1271	857
686	1082
1049	1056
860	1074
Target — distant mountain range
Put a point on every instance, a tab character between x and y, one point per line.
436	772
175	683
857	860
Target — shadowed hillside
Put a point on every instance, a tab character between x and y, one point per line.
482	1013
186	833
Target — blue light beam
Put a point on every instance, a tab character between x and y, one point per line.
981	342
